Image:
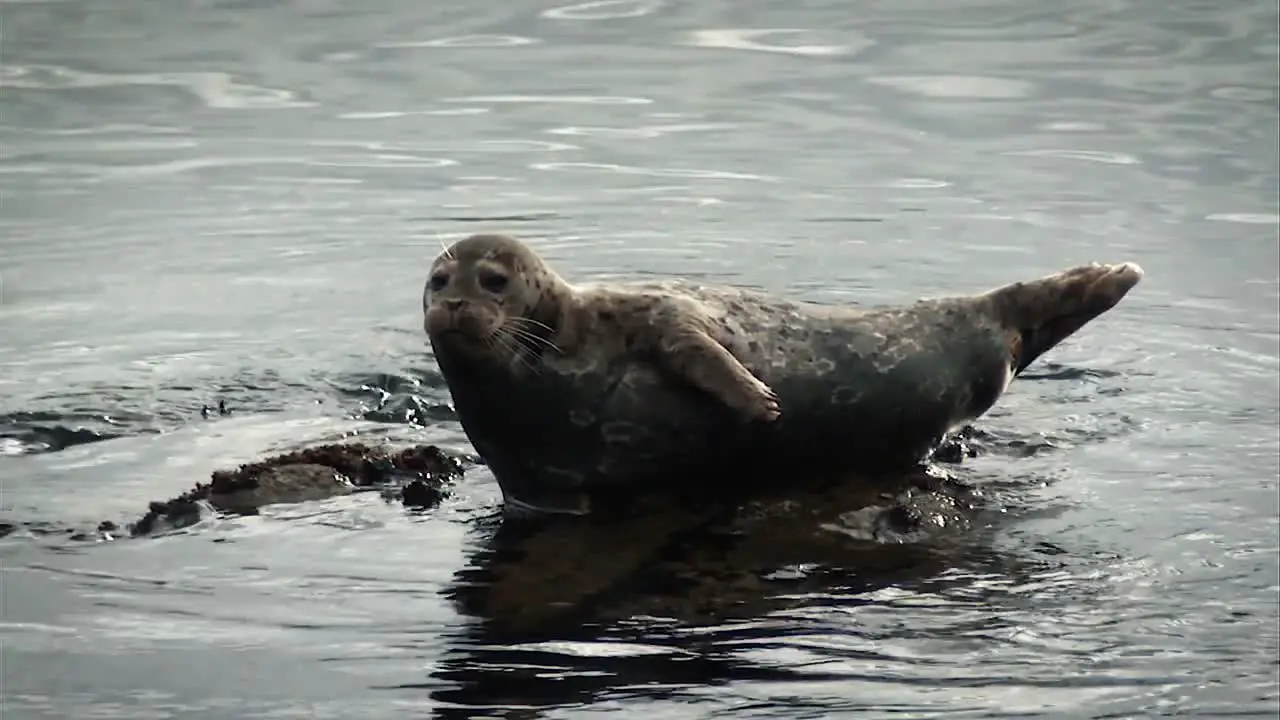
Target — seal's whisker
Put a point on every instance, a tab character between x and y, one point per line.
493	341
502	337
516	347
531	321
447	252
523	344
525	334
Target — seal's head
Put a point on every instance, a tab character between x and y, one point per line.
490	295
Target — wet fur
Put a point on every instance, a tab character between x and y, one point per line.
613	393
540	312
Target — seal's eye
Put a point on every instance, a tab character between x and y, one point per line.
438	281
493	282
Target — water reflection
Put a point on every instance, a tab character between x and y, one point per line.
577	612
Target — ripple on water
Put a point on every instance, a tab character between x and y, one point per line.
958	86
656	172
560	99
646	132
465	41
1238	93
604	10
107	129
915	184
752	39
215	89
1246	218
487	145
384	115
1072	126
1097	156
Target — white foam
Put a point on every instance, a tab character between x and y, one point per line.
12	446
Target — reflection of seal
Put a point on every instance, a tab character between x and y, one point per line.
717	560
570	394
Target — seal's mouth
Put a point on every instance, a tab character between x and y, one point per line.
466	343
451	331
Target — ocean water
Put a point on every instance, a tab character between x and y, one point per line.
237	201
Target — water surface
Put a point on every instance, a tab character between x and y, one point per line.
206	201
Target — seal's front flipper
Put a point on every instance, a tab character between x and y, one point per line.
1042	313
699	359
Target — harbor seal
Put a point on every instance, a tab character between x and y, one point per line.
578	397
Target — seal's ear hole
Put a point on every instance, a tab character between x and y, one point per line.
438	281
493	282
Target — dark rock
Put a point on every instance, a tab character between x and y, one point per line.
421	494
308	474
301	482
957	447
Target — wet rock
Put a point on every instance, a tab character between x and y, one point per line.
957	447
416	475
206	411
929	505
285	484
180	512
421	494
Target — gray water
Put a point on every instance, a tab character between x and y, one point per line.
228	200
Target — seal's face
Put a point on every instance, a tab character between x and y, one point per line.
482	297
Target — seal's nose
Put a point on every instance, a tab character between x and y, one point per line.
453	304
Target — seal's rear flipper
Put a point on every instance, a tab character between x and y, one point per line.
1045	312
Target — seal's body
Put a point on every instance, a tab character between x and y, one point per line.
630	386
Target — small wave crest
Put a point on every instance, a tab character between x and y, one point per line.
70	417
23	433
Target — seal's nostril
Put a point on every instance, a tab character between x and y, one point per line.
453	304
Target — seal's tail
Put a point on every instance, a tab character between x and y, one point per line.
1045	312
